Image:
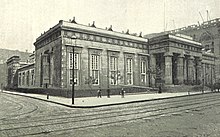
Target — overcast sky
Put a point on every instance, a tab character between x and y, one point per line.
22	21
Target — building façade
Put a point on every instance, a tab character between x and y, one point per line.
102	58
105	59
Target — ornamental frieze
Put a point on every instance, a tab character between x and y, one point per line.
92	37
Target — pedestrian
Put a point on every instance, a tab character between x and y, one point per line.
160	89
99	93
108	93
122	93
47	95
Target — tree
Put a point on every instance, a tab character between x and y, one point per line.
156	73
90	81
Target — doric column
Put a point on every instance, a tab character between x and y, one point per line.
190	70
213	74
168	69
104	72
121	68
136	75
185	69
203	72
153	68
180	64
199	71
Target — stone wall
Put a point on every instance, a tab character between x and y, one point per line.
86	48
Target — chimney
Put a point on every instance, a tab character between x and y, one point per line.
140	35
110	28
74	20
93	24
127	31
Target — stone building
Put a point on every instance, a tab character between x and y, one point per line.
94	58
181	60
26	76
13	64
102	58
5	54
20	73
208	34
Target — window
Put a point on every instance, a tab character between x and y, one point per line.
27	78
113	69
143	71
32	77
129	70
76	68
23	78
94	68
19	79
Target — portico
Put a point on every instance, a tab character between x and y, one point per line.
178	59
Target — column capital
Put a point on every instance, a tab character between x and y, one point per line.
191	57
181	56
168	54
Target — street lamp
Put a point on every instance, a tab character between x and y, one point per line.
73	82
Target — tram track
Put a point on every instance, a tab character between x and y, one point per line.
117	109
25	108
81	122
95	116
18	107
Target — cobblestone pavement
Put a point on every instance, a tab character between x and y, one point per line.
22	116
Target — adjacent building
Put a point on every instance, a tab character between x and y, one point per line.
208	34
5	54
181	60
18	71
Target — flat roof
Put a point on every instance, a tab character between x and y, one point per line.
103	31
184	39
171	36
91	29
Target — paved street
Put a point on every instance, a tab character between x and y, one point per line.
187	116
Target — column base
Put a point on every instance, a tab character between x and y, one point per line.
168	80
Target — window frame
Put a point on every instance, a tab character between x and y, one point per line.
143	71
129	71
95	65
113	69
74	65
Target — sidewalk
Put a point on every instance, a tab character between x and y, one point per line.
90	102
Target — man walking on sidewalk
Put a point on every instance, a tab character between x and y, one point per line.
122	93
99	93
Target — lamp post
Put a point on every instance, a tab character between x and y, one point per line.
73	82
203	85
